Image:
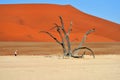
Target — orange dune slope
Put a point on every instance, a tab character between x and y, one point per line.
23	22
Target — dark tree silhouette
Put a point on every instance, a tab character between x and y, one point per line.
65	40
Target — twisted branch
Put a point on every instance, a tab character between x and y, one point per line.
52	37
84	39
92	53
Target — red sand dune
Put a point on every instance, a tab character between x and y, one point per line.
22	22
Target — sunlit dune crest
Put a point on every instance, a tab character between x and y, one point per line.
23	22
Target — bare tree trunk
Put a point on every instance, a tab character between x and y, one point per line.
63	44
69	53
65	38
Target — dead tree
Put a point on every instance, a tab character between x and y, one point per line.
65	40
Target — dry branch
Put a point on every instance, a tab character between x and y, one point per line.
92	53
52	37
70	29
65	39
84	39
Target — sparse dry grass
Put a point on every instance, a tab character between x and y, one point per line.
47	48
51	66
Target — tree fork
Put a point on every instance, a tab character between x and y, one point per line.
65	38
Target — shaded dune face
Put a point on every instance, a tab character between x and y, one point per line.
23	22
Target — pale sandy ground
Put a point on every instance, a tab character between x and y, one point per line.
104	67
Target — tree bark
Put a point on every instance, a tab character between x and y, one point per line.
83	40
65	40
69	53
92	53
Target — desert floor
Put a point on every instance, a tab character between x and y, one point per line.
48	48
43	61
103	67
